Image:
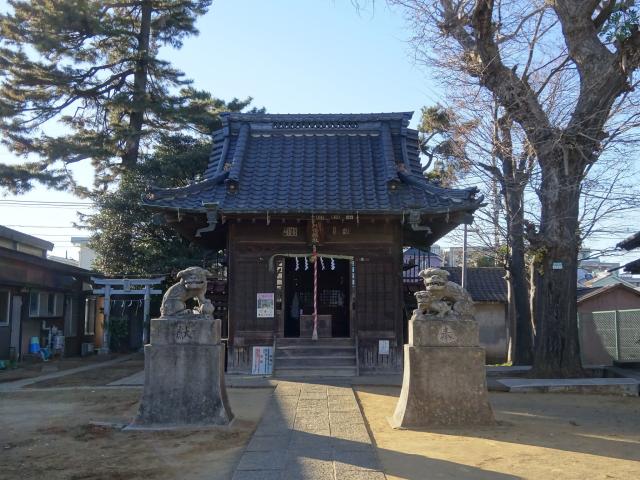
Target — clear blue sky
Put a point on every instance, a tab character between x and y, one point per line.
291	56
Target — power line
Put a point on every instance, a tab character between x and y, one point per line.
42	226
63	235
43	202
58	207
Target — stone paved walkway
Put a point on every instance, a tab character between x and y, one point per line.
310	432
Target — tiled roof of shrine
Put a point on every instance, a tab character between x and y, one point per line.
325	163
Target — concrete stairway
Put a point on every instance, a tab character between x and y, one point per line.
326	357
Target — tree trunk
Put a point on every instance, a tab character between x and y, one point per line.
523	342
138	99
557	349
515	174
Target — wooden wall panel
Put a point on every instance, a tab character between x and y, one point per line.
250	277
378	291
377	251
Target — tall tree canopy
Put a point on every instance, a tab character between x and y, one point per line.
577	55
489	150
83	80
124	234
125	237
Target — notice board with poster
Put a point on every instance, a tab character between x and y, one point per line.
262	361
265	305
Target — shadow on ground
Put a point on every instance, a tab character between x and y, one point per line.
537	436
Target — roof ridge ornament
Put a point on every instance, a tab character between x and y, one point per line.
315	124
393	181
238	156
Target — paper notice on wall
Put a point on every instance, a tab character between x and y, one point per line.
262	361
383	347
265	305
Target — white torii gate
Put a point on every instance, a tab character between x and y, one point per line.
129	286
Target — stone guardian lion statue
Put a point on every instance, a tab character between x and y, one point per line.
441	297
192	284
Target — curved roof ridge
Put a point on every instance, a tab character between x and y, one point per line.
238	156
391	174
188	188
269	117
454	194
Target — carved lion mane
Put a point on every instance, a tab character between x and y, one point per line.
442	297
192	284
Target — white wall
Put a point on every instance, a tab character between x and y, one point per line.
492	320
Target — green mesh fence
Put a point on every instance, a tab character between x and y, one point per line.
619	331
629	335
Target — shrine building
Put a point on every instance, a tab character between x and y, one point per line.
313	212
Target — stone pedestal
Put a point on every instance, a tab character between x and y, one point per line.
444	381
184	375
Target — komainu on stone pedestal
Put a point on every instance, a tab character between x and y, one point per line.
444	381
183	368
192	284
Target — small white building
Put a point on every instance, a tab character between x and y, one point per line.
87	255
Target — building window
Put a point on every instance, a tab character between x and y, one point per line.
51	304
34	301
46	304
58	305
70	325
89	316
4	307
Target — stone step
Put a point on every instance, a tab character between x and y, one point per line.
316	362
316	372
333	342
315	351
326	357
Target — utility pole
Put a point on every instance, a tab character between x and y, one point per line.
464	258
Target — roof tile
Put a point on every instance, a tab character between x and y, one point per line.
316	163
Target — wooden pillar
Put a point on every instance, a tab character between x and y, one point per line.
145	319
105	322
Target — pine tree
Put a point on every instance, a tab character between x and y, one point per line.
123	232
124	235
83	80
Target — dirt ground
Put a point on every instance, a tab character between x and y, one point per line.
538	436
34	367
96	376
47	434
